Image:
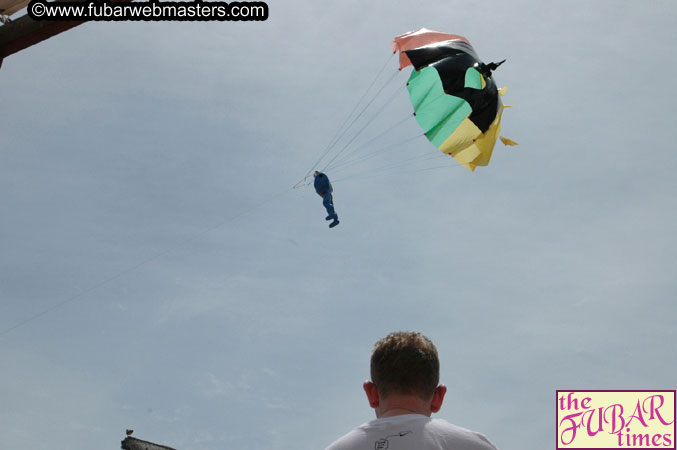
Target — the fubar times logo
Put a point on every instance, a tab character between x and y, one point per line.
606	420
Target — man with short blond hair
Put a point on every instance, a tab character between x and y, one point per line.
404	391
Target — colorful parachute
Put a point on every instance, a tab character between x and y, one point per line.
455	99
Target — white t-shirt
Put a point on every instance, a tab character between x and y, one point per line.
411	432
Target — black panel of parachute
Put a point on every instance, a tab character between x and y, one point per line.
451	60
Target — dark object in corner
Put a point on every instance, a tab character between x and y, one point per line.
130	443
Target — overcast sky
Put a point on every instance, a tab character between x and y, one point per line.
158	273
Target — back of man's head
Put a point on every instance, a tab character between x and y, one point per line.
405	363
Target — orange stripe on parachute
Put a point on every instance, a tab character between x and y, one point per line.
420	38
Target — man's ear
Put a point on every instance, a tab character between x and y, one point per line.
372	394
438	398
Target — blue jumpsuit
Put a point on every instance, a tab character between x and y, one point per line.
324	190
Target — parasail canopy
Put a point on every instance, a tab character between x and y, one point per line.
453	93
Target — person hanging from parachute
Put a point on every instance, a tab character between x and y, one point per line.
324	190
455	100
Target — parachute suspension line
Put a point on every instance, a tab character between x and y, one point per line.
342	129
444	166
387	171
360	115
370	120
427	156
394	164
346	161
374	153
